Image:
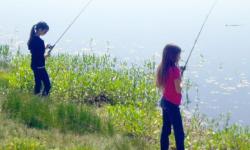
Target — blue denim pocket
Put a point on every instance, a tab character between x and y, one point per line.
163	103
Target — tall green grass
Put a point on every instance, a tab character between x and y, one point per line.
90	79
42	113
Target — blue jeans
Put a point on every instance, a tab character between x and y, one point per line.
171	117
41	76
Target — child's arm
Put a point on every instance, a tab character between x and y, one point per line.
47	54
177	80
177	84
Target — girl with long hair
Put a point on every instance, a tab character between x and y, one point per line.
169	81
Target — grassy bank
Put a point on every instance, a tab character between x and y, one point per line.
97	102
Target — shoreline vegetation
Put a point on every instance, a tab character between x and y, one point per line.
97	103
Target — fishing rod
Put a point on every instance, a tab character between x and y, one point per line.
69	26
198	36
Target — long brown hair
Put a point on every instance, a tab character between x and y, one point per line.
169	59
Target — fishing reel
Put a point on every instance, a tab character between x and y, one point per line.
50	47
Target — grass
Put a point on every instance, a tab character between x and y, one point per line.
17	144
99	103
5	56
15	134
90	79
45	114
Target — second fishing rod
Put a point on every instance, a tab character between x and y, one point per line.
198	36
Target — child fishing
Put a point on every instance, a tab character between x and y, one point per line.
37	48
169	81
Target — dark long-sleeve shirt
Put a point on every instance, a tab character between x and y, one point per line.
37	49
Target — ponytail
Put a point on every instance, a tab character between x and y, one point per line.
35	28
32	34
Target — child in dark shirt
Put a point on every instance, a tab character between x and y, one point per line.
37	48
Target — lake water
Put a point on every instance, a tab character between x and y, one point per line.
138	29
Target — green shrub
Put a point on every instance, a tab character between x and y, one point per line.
90	79
136	120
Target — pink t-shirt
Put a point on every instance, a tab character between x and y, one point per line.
170	92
